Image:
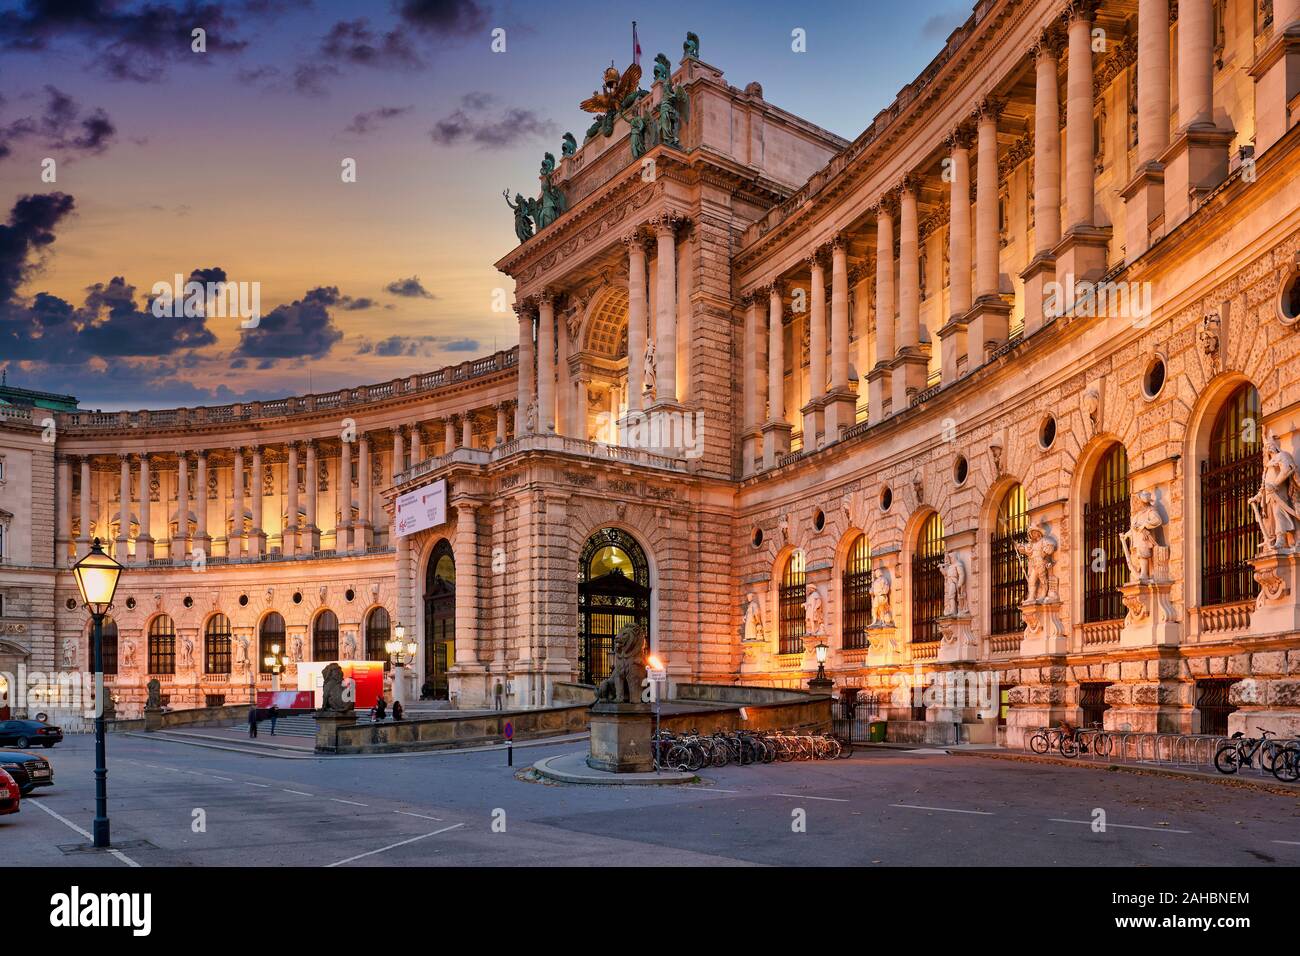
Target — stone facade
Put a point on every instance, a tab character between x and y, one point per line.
1032	283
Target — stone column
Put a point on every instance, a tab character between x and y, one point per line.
910	365
182	508
235	536
201	539
989	320
124	509
776	431
564	381
666	318
636	321
952	337
467	430
144	541
812	412
753	399
449	434
580	409
524	395
1197	160
417	446
1144	200
1277	77
469	672
397	460
1041	270
83	506
257	540
361	531
63	511
311	532
501	423
546	364
842	399
685	386
289	533
879	390
1081	255
343	497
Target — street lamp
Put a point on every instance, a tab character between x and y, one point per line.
97	575
656	672
274	663
821	684
401	652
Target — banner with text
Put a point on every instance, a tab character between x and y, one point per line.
423	508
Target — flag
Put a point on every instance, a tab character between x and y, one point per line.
636	46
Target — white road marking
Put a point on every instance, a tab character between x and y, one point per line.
227	779
85	833
392	846
912	806
301	793
710	789
1288	842
422	816
264	786
1122	826
352	802
805	796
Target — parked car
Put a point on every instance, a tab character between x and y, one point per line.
10	795
27	769
27	733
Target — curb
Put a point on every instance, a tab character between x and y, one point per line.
667	778
311	755
1221	780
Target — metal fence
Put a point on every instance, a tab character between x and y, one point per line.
1195	751
856	712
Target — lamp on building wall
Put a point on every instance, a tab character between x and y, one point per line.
401	652
275	664
97	575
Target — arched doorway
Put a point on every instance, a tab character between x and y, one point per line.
613	590
439	620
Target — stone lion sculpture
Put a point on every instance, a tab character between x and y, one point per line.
154	701
623	685
333	699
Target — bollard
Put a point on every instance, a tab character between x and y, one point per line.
510	754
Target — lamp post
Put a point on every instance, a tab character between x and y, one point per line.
821	684
97	575
401	652
656	672
275	665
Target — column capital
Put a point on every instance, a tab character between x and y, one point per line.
1050	44
817	258
666	222
1085	10
525	308
637	238
988	109
887	205
961	137
124	457
910	183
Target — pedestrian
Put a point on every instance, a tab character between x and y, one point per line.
397	710
252	720
498	695
275	712
381	708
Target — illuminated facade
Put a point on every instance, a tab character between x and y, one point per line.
1004	389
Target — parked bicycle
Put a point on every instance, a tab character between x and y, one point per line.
1286	763
692	751
1240	751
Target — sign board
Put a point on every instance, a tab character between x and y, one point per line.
422	508
363	681
510	730
286	700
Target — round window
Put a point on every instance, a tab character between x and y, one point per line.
1047	432
960	470
297	597
1154	379
886	498
758	537
188	602
130	604
1288	300
70	604
819	519
243	600
349	594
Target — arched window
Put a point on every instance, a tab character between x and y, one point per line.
377	635
790	606
325	637
855	592
1008	579
1106	516
1230	475
216	645
927	581
109	638
270	633
439	621
162	645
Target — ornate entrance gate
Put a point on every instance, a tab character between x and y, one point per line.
439	620
613	590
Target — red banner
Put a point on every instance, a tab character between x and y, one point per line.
286	699
369	678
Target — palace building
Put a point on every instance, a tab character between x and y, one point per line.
1003	392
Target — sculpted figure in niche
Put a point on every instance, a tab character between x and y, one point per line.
881	614
954	586
754	630
1275	504
648	375
815	616
1139	541
1038	553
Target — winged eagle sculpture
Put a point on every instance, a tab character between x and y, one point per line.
619	92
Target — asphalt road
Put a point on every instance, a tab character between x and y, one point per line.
180	805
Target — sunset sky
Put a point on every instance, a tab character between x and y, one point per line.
169	161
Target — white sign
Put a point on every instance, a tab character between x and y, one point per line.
423	508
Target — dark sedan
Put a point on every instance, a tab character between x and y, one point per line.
28	770
29	733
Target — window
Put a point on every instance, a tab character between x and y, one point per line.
1230	475
216	645
271	632
2	542
162	645
1008	580
214	700
790	601
325	637
1004	703
377	633
927	581
855	592
109	645
1105	518
1212	704
1092	701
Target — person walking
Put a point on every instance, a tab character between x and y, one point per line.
498	694
252	720
397	710
275	712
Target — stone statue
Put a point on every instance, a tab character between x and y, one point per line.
637	138
350	646
624	684
691	48
662	69
128	654
187	652
530	416
1139	541
673	109
882	614
1275	504
70	653
1038	553
648	375
523	215
569	146
548	165
1092	408
154	702
297	648
333	698
754	630
552	203
815	614
241	652
954	586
